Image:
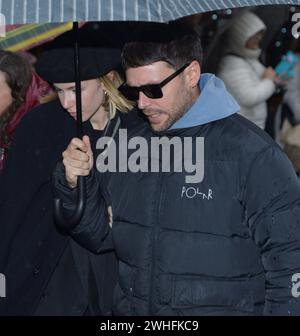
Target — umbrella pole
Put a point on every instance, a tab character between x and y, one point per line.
70	222
77	80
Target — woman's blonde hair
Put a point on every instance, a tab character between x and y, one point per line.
114	100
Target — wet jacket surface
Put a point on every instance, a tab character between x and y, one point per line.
228	245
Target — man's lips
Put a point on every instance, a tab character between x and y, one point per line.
154	118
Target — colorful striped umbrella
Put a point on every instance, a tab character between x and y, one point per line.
27	36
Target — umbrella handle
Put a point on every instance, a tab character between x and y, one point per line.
69	222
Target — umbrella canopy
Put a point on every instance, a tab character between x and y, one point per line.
38	11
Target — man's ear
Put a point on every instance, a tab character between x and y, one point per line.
193	73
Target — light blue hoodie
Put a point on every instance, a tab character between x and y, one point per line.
214	103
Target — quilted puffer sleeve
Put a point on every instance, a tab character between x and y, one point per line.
93	231
272	203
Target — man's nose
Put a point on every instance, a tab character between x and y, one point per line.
143	101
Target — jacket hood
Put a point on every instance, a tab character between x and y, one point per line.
242	28
214	103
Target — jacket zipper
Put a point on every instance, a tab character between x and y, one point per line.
154	240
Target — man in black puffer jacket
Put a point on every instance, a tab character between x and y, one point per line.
222	241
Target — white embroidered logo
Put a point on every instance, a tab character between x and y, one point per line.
192	192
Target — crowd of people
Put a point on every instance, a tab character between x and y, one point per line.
144	244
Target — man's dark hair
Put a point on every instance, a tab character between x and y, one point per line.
169	43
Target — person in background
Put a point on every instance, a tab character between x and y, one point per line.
21	89
246	78
289	116
291	96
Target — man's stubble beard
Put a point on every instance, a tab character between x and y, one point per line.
178	109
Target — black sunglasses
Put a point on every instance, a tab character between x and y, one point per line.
152	91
